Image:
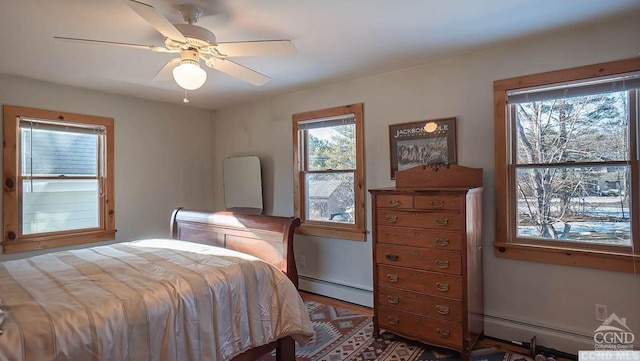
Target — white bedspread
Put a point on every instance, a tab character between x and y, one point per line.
147	300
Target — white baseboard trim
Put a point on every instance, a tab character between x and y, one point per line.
513	330
343	292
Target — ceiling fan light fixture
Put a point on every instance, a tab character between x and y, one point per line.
189	75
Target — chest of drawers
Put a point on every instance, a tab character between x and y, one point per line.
428	260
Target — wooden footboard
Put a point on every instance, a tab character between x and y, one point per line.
267	237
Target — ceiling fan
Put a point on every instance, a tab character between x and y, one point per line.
195	43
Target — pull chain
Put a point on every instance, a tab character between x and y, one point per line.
186	100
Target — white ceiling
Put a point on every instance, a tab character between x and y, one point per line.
337	40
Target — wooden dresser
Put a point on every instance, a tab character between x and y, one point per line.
427	256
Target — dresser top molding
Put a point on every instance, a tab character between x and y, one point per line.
439	175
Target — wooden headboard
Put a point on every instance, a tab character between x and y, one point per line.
269	238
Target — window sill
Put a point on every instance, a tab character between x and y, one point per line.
332	232
46	242
603	260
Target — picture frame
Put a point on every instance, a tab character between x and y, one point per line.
423	143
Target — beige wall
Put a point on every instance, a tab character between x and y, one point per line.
163	153
169	156
522	298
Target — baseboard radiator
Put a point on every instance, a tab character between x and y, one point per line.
514	330
494	326
338	290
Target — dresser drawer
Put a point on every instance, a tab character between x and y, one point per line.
432	220
400	201
432	283
420	258
437	202
419	303
425	329
445	240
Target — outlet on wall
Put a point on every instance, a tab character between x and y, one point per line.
601	312
302	260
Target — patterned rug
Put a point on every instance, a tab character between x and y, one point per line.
341	335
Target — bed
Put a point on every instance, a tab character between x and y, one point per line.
206	293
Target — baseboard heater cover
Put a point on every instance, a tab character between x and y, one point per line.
514	330
494	326
340	291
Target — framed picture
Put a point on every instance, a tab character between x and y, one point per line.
422	143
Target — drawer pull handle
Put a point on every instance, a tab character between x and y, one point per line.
393	299
442	221
443	333
442	263
442	242
442	309
392	277
393	320
393	202
442	287
437	204
391	219
391	257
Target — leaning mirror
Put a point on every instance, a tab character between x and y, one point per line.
242	184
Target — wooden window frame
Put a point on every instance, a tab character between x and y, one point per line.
13	239
356	231
624	259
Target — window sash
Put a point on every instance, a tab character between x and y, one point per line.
631	138
36	221
307	196
515	166
59	207
27	171
596	210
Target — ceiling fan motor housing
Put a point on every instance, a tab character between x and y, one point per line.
197	36
190	55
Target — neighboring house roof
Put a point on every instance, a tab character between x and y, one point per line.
323	188
60	153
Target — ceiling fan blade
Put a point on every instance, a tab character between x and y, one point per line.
153	17
158	49
251	48
166	73
239	71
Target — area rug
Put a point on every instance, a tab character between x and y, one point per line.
341	335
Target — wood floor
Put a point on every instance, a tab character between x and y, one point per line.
484	341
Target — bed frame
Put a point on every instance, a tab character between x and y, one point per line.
267	237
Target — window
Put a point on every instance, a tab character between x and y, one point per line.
329	172
58	177
567	182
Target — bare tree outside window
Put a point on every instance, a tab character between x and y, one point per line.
572	182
